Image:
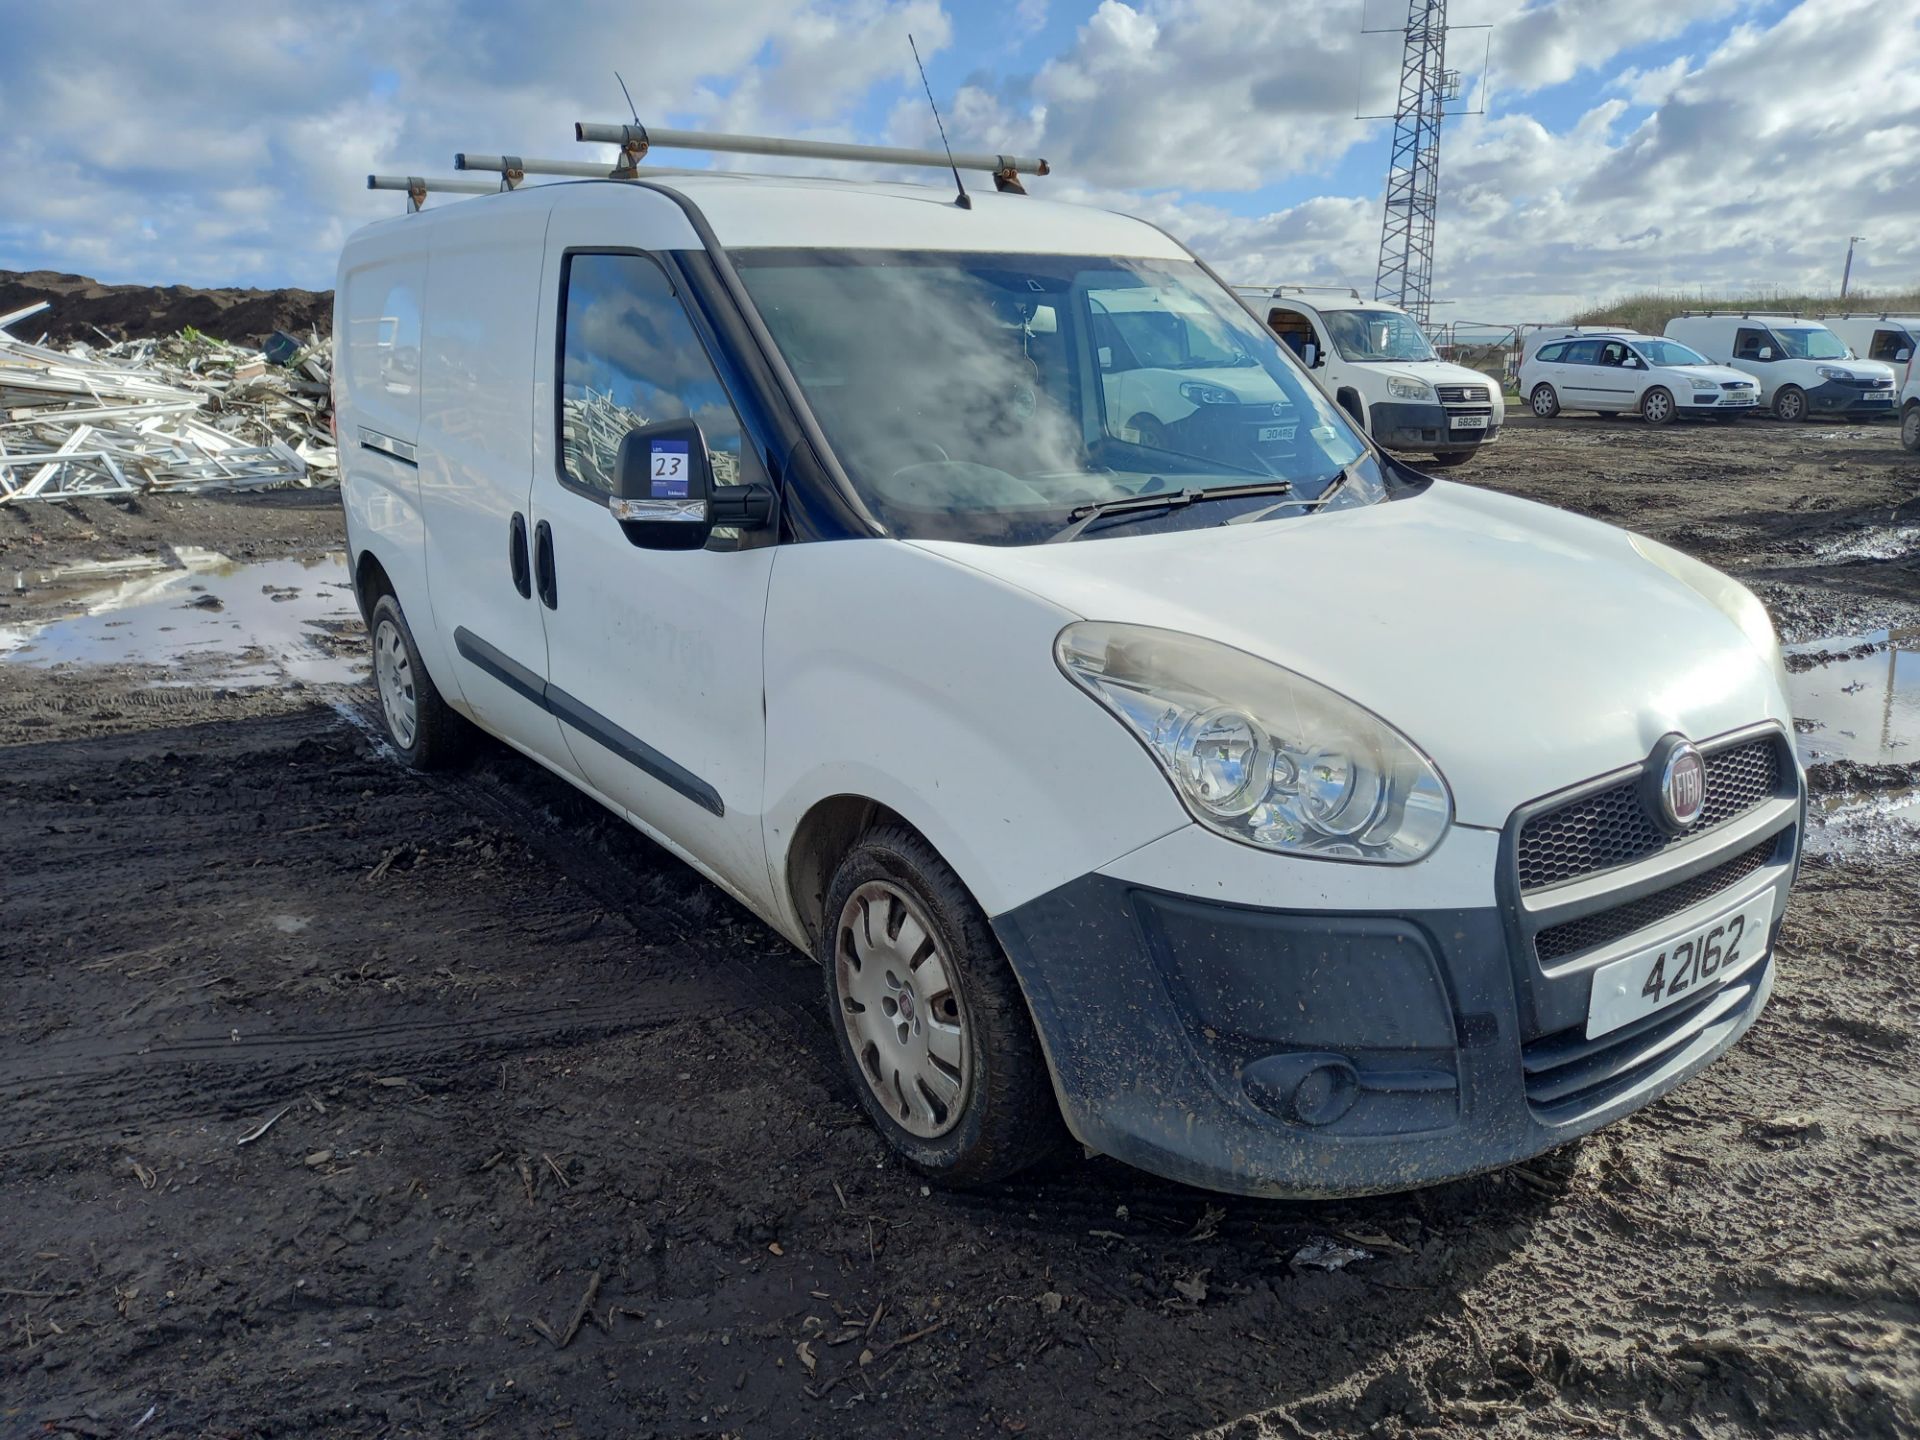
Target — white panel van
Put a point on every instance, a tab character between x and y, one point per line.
1805	371
1379	366
991	602
1890	339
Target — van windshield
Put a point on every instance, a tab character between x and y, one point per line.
1809	342
989	398
1370	335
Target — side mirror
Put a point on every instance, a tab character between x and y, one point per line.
1766	353
662	484
663	491
1901	356
1310	355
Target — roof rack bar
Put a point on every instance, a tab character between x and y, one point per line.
635	140
512	169
417	188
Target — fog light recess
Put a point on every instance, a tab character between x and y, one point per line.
1306	1089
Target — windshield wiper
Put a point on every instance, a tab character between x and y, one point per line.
1326	494
1084	515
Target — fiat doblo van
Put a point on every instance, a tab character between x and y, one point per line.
990	601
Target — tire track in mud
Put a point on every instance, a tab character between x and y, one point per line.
698	956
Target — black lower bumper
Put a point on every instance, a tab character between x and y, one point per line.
1423	426
1268	1052
1834	398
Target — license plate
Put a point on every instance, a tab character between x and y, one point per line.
1278	432
1885	397
1469	422
1679	968
1738	398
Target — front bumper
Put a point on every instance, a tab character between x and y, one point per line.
1428	426
1835	397
1299	1052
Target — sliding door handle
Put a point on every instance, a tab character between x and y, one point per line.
517	562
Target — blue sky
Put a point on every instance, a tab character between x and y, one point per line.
1626	144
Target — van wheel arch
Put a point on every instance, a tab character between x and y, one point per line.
370	582
820	841
1348	399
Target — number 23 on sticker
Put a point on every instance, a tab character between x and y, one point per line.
669	474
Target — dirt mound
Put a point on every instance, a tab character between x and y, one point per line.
82	308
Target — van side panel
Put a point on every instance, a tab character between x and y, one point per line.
376	324
476	457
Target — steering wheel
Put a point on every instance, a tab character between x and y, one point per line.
926	448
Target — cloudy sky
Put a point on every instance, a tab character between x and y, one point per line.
1625	144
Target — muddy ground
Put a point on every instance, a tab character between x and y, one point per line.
559	1146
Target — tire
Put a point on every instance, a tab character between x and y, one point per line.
1790	403
1910	426
1657	406
420	726
1455	457
1148	431
984	1109
1543	401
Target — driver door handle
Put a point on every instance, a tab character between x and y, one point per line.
543	576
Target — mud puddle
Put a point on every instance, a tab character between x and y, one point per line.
208	619
1857	697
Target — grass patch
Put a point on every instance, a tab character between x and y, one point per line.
1650	313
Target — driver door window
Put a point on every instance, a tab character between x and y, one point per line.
1747	344
629	356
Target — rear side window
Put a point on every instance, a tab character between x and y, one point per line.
629	356
1583	352
1553	354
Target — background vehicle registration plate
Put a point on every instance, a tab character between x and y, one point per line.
1277	432
1469	422
1679	968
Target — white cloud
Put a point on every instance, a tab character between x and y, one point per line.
231	147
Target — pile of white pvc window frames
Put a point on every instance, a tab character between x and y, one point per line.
184	413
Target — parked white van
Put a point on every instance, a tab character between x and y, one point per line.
1254	808
1611	371
1376	362
1804	369
1890	339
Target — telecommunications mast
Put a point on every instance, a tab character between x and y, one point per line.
1405	272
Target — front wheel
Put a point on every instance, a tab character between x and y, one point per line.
931	1022
1657	407
1910	427
1790	403
1545	403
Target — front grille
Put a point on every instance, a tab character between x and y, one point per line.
1736	385
1463	394
1556	942
1567	1074
1613	826
1869	384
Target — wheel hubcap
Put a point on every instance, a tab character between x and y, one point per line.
393	673
1657	406
900	1002
1542	402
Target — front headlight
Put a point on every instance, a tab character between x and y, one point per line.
1409	389
1728	596
1258	753
1704	387
1829	372
1198	392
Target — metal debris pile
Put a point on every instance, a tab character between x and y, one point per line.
185	413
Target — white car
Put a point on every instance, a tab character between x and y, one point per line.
1256	810
1615	372
1379	366
1804	369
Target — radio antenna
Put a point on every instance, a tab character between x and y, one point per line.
629	95
963	200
